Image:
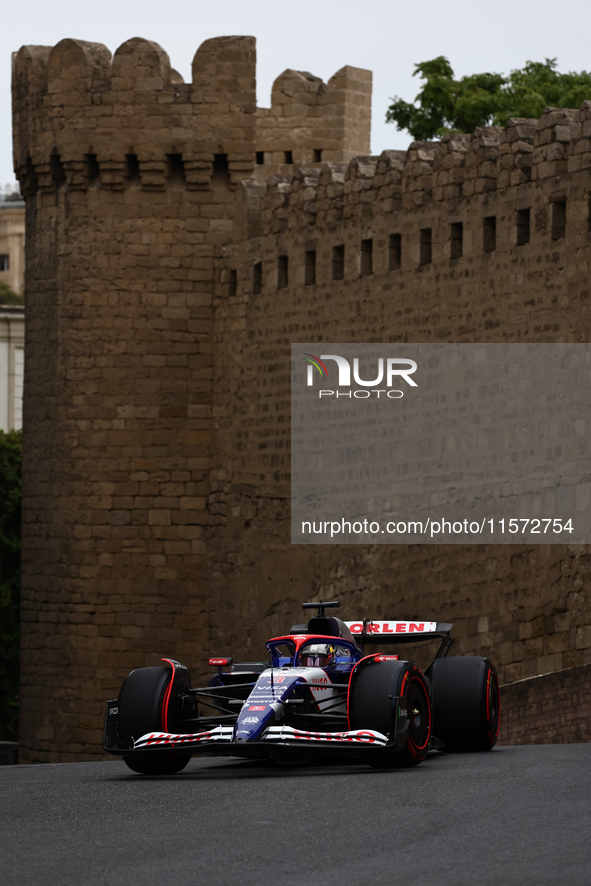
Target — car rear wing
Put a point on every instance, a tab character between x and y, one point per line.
369	631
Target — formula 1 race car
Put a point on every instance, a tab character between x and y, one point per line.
319	694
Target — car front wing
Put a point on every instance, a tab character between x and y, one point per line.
283	736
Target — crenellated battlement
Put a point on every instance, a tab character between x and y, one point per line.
80	113
332	120
439	210
457	168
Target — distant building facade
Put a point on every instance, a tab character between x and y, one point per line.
12	364
12	244
12	317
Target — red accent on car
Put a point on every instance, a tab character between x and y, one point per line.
387	658
256	707
164	715
420	747
220	662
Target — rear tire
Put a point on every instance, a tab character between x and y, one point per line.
140	711
465	703
372	706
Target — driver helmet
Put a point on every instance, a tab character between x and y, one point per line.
317	655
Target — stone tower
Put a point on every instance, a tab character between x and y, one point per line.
130	178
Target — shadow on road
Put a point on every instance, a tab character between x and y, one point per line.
229	769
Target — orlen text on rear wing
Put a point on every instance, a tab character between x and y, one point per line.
369	631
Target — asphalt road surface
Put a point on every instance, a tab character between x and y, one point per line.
518	815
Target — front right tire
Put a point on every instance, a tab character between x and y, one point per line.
141	702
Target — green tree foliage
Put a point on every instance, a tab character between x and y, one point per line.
445	104
9	297
10	549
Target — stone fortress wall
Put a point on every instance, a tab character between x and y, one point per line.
171	261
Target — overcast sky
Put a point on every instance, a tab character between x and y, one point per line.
319	36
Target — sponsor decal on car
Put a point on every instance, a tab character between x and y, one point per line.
154	739
256	707
356	736
250	720
392	627
386	658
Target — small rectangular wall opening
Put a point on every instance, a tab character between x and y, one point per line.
4	262
91	169
456	245
395	252
282	272
523	226
338	262
310	267
489	233
58	173
366	263
220	176
257	278
232	282
425	246
558	219
317	155
176	168
132	168
288	157
260	158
